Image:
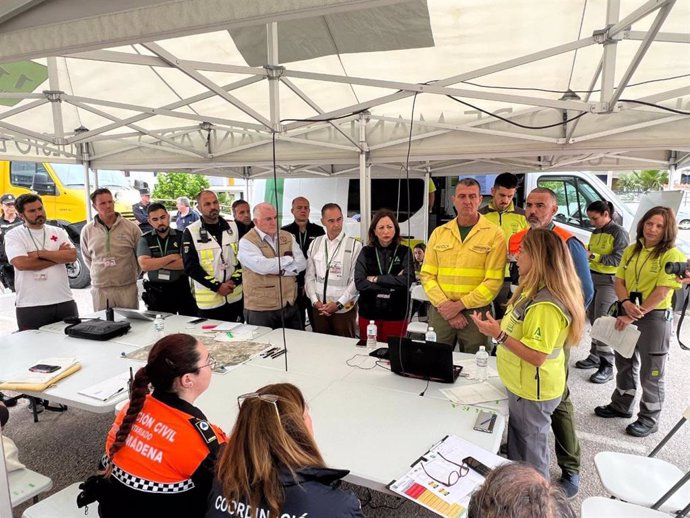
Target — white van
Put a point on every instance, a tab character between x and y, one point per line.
575	191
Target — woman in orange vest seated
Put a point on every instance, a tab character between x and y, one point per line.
271	465
160	451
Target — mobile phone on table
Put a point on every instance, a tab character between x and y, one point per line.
485	422
197	321
477	466
44	368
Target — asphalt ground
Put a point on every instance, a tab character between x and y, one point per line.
66	446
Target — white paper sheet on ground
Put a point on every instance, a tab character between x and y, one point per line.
26	376
109	388
623	342
469	369
474	394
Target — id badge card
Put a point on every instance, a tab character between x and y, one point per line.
109	262
38	276
636	297
163	275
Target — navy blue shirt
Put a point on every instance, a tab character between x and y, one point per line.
182	222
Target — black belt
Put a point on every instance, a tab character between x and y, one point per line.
600	273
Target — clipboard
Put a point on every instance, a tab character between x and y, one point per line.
448	500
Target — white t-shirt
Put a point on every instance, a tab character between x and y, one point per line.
38	287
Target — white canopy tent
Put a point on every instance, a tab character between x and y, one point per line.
347	87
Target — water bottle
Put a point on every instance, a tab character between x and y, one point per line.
371	335
482	361
159	326
430	335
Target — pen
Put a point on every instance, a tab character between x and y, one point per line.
121	389
274	356
269	352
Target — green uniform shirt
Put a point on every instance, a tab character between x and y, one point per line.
606	246
542	327
162	247
642	272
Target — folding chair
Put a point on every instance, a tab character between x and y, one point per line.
599	506
26	484
646	481
62	504
417	328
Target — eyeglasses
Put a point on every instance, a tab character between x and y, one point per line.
453	476
212	362
268	398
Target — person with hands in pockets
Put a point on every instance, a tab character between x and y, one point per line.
644	291
546	312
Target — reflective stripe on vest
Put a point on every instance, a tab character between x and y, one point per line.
210	260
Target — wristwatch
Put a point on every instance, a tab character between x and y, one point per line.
340	306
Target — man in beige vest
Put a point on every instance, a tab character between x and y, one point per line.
271	260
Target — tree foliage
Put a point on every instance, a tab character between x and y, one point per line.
172	185
643	181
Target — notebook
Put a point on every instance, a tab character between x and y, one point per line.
421	359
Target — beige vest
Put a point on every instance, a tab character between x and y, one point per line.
262	292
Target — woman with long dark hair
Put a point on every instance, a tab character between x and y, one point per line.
605	249
644	291
160	451
383	276
271	465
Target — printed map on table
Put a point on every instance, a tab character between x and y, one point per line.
228	354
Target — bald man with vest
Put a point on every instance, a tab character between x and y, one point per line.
271	261
540	208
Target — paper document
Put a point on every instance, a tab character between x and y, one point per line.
623	342
474	394
227	326
440	481
28	377
109	388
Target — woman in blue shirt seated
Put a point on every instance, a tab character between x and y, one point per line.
271	465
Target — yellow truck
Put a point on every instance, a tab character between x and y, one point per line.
61	187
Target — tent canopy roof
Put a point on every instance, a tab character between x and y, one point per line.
459	85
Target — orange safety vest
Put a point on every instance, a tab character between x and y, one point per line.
515	241
163	448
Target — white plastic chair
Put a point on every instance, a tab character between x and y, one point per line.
646	481
26	484
62	504
418	328
600	507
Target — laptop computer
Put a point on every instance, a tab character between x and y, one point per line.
139	315
421	359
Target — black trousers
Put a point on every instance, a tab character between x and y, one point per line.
273	318
39	316
170	297
226	312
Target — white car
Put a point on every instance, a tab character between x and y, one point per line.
683	218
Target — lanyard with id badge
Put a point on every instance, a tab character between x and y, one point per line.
40	275
636	296
387	272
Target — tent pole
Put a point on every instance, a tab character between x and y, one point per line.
425	205
87	188
364	178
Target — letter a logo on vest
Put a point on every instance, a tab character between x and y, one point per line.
537	333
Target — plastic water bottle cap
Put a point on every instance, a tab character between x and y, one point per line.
372	321
430	328
481	348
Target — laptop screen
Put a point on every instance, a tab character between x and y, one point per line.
421	359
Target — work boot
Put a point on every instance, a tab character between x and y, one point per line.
570	483
640	429
591	362
603	374
608	411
